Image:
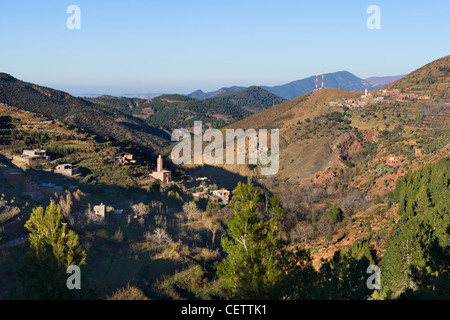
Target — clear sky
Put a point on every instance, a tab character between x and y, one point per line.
179	46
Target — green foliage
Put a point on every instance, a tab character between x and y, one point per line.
177	111
212	205
53	248
336	214
416	262
154	189
344	276
252	97
174	199
335	116
257	265
417	191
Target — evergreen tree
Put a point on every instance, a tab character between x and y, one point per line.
257	265
345	275
53	249
417	258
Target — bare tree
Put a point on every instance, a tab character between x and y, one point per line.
140	209
66	204
212	225
191	211
8	213
78	195
159	236
302	232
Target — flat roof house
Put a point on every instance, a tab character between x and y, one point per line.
126	159
222	194
67	170
33	157
100	210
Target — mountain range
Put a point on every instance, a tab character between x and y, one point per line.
81	113
382	81
318	131
340	80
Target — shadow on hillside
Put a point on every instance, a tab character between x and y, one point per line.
147	129
218	175
7	162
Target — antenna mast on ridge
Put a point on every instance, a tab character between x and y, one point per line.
316	80
322	79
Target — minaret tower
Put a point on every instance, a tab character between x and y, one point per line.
159	164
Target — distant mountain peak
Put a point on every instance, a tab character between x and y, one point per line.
340	80
199	94
382	81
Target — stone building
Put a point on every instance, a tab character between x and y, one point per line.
126	159
67	170
100	210
32	157
222	194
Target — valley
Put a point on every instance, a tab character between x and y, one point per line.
359	173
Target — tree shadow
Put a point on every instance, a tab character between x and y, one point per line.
220	176
147	129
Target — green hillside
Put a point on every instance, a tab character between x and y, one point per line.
95	118
252	98
171	111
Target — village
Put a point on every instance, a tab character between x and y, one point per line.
39	183
379	96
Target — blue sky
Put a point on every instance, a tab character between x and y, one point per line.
179	46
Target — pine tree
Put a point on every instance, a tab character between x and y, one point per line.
53	248
417	258
422	200
406	258
257	265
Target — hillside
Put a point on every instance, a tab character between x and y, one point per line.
433	79
302	153
92	154
118	248
252	98
341	156
334	135
122	104
78	112
172	111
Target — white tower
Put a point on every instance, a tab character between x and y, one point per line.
322	79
